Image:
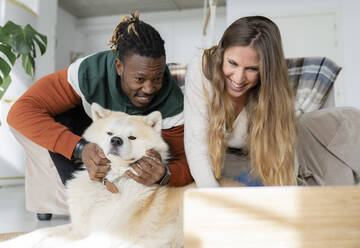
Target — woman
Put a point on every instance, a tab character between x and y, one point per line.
238	95
238	99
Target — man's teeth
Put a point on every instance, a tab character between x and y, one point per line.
144	98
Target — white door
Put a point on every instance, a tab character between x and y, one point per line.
313	35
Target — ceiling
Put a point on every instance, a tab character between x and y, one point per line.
93	8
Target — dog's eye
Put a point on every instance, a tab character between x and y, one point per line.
110	133
132	138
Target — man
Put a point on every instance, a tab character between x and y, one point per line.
132	78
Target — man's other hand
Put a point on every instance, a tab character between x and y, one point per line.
149	169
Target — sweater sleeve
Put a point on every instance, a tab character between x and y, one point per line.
178	166
32	114
196	124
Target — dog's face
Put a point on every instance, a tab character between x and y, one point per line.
125	138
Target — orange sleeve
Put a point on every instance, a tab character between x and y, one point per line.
32	114
178	166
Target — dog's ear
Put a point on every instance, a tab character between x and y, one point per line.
98	112
154	119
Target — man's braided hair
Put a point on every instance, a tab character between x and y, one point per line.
133	36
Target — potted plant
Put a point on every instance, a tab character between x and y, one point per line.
16	42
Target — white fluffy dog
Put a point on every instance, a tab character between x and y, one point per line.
136	216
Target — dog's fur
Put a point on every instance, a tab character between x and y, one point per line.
137	216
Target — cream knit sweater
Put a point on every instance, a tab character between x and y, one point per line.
196	124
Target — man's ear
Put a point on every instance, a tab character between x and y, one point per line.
119	66
154	120
98	112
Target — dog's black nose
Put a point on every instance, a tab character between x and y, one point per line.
116	141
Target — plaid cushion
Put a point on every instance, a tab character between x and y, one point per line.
178	71
312	79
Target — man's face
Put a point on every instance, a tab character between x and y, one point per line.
141	77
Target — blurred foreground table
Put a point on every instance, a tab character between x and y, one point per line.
281	217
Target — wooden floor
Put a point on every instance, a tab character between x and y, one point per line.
7	236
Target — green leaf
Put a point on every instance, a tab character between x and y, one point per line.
31	65
4	67
28	64
23	60
16	32
32	34
41	45
33	51
16	41
5	37
9	54
11	27
4	86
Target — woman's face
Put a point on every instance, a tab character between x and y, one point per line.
241	70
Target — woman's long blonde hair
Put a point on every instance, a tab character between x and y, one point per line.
270	104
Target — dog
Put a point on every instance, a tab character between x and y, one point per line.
146	216
137	215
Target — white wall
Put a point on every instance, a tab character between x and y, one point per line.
68	38
351	50
181	31
46	24
2	12
347	34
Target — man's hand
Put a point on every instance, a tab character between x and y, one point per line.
149	170
95	161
